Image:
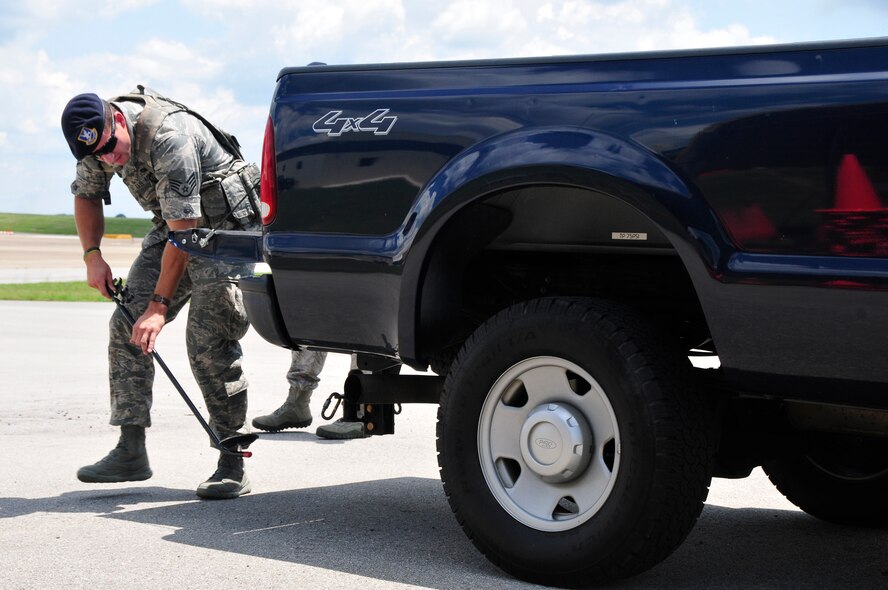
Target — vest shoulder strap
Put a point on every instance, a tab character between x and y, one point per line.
157	108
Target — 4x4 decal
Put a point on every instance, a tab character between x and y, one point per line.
334	125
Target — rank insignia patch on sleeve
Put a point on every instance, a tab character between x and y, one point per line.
184	187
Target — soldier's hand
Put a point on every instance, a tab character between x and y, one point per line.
147	328
98	274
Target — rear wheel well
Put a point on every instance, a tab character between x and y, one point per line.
538	241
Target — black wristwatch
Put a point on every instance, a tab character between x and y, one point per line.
161	299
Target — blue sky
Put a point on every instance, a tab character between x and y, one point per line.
221	56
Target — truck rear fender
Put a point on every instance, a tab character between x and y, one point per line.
566	157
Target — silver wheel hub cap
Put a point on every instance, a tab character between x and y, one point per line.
548	444
554	441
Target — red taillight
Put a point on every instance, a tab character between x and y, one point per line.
268	180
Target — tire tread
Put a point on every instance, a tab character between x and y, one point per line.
683	422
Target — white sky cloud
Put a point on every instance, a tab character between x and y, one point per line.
168	59
221	56
467	21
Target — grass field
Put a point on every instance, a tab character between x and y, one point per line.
64	224
66	291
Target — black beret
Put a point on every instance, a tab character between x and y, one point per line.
83	122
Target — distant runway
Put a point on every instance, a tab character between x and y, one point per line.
33	258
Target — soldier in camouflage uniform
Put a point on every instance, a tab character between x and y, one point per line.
176	168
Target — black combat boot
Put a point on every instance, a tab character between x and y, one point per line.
128	461
229	480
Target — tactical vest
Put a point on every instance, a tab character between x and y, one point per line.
158	107
238	189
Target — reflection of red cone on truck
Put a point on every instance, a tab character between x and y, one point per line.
858	224
854	191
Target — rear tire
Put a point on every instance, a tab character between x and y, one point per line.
572	446
838	478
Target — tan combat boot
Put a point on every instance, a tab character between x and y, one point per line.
128	461
229	480
295	413
342	430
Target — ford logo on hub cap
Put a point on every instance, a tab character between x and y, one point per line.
545	443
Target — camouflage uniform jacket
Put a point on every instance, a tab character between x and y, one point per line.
178	173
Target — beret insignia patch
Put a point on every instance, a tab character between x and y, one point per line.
88	135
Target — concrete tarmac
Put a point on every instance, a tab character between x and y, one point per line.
31	258
363	514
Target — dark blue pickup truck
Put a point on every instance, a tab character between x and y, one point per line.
569	243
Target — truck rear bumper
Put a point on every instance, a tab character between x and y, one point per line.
227	245
260	300
263	310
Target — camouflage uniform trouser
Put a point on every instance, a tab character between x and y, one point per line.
305	366
217	321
